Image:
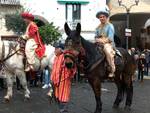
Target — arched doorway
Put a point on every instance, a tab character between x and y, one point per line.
136	22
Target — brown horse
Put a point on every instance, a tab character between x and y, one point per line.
95	67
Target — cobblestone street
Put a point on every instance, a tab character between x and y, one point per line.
82	100
74	43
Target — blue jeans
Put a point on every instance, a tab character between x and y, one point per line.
46	77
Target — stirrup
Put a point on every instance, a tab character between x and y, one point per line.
118	53
29	67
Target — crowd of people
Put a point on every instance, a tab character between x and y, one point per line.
143	62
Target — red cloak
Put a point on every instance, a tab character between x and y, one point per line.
34	33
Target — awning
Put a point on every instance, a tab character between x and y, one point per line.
73	1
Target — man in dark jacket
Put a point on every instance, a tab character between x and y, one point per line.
141	64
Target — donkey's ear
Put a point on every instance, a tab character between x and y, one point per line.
67	29
78	28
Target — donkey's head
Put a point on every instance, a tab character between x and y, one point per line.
73	37
72	43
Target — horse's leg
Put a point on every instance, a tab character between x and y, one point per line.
96	85
120	90
22	77
129	91
9	82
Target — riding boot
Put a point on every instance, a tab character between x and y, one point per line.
110	73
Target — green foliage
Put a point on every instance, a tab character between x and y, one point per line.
49	33
15	23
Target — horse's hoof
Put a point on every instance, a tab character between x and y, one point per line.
115	106
128	108
26	99
6	99
98	111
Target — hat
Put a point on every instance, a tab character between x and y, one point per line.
59	46
27	15
104	11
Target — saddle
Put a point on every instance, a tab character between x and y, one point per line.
118	53
90	59
119	61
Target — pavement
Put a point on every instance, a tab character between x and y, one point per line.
82	99
147	77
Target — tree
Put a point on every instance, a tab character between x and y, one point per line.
49	33
15	22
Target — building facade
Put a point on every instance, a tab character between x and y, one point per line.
83	11
7	7
138	16
70	11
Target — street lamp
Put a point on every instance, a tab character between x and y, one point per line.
128	13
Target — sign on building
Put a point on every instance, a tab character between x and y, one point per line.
128	32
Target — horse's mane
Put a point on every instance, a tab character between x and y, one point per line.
92	52
88	46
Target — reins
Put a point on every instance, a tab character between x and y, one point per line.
2	60
8	56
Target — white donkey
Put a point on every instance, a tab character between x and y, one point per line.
12	61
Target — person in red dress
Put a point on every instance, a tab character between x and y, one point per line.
61	78
34	44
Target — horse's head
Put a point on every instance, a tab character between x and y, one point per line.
73	37
72	42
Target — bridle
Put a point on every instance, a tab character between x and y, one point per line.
12	51
78	59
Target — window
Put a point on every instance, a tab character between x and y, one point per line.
73	12
76	11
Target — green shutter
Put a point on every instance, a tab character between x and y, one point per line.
73	1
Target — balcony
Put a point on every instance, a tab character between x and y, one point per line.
10	2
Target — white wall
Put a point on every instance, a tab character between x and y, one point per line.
52	11
49	9
88	14
3	11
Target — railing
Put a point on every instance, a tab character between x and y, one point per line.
9	2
